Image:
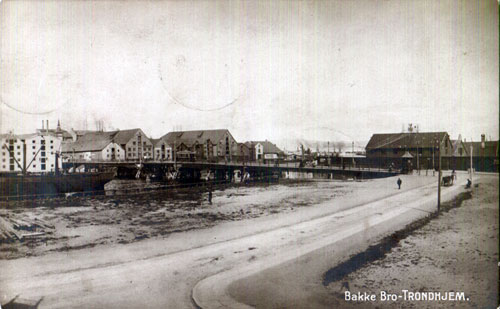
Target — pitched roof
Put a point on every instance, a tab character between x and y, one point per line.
267	146
490	148
459	144
155	141
400	140
95	141
124	136
191	137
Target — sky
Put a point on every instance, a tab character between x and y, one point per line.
276	70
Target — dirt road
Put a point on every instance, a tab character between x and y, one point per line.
163	271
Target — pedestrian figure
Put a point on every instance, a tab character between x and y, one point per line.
469	184
210	196
399	183
454	174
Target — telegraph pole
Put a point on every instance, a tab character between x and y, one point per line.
418	161
471	162
439	177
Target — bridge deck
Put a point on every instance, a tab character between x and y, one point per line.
293	166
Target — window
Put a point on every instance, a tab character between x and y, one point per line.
18	147
34	165
34	147
43	154
51	141
43	166
52	165
42	160
42	142
133	143
43	147
129	149
18	153
51	147
33	141
33	153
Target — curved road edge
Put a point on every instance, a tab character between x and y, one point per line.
212	291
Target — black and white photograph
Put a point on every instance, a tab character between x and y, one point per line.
249	154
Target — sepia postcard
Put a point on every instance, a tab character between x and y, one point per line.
249	154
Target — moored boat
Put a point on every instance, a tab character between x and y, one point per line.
13	185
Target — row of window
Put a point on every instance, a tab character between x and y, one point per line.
42	166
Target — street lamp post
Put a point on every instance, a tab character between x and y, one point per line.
439	178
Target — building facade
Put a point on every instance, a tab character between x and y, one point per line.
93	146
420	149
162	150
204	145
136	144
35	152
265	151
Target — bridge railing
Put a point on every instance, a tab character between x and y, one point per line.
348	166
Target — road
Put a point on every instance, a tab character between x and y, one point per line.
177	270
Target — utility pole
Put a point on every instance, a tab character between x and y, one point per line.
439	178
418	160
433	165
471	162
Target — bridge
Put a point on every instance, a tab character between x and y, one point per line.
228	170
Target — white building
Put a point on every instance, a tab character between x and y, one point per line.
264	151
94	146
40	150
162	150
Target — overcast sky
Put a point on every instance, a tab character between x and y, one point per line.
323	70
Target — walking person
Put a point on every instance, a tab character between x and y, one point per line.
210	196
399	183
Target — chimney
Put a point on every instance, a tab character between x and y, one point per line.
43	127
47	125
